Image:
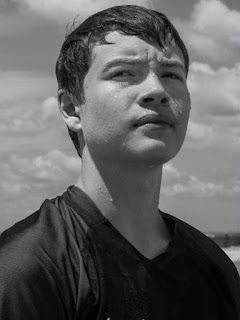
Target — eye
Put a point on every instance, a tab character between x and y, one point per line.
123	74
172	75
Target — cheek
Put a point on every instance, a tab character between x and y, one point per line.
182	123
103	117
181	104
109	104
186	107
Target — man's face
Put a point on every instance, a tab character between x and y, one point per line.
137	103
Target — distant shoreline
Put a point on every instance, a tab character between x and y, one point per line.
225	239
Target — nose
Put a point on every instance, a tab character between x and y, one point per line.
153	93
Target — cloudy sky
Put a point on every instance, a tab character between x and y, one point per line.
37	159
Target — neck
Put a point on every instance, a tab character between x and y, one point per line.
127	196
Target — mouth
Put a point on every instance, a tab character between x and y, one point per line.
156	120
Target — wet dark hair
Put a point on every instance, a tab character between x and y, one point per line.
74	59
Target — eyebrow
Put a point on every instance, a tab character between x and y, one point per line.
130	61
137	61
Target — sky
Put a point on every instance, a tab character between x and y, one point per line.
37	159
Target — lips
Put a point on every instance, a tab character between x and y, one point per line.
154	119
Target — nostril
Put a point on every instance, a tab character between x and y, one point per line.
164	101
148	99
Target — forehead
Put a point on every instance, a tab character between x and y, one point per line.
122	46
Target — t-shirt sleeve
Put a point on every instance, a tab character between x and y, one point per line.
40	268
28	290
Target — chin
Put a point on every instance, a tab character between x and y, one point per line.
152	156
161	151
158	160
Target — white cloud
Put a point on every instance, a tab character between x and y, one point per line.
23	108
215	113
67	10
212	32
21	85
53	166
49	108
214	18
170	173
199	135
177	183
30	116
19	174
207	189
10	182
14	187
26	181
202	189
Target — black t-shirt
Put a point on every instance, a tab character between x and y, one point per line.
67	261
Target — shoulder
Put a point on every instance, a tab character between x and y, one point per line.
27	243
34	231
39	256
41	243
203	242
208	253
207	246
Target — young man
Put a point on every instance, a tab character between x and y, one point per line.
103	250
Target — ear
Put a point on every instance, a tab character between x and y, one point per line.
70	110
